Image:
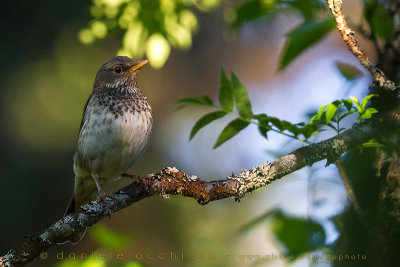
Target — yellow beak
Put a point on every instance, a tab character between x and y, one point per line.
140	64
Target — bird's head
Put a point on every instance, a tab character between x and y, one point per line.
119	71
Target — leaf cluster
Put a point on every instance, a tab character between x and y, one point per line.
332	114
317	22
149	27
234	100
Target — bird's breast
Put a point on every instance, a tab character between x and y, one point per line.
112	142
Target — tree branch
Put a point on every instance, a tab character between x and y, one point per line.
175	182
348	37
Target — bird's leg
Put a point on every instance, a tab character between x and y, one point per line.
101	195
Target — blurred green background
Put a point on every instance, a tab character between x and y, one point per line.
51	51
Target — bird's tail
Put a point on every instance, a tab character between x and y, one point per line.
85	191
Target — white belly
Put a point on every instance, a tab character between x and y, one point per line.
108	147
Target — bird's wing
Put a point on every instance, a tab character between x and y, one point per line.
84	112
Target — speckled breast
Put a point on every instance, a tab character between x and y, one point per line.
113	136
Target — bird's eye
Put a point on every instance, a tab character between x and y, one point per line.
117	69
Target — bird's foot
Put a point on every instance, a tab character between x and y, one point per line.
102	198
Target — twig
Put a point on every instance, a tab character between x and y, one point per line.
175	182
348	36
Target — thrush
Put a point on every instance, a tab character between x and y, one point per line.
114	131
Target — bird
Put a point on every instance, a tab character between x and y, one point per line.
114	131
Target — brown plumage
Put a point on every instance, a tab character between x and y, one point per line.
115	128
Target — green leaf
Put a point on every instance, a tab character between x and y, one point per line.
206	119
107	238
298	235
378	19
309	130
286	125
348	104
230	131
276	122
263	129
251	10
348	71
225	93
263	124
206	100
319	114
368	113
241	98
303	37
357	102
330	112
372	143
366	99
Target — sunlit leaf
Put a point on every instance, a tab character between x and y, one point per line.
107	238
330	112
233	128
357	102
134	41
372	143
188	19
367	114
298	235
178	35
225	93
241	98
206	119
86	36
348	71
303	37
157	50
364	102
320	112
99	29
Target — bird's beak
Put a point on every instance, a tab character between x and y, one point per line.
140	64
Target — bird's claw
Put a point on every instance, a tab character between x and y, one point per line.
102	198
